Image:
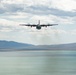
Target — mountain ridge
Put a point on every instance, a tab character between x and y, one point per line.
24	46
12	44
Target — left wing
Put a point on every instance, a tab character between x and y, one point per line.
30	25
44	25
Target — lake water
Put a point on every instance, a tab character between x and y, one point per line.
38	63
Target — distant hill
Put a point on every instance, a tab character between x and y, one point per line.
24	46
71	46
12	44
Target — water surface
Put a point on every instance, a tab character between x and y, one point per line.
38	63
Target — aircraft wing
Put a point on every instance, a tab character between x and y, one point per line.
29	25
45	25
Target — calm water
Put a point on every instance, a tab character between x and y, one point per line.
38	63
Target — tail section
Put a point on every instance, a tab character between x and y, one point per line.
39	22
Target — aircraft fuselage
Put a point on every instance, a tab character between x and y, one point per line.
38	27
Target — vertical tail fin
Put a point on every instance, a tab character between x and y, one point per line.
39	22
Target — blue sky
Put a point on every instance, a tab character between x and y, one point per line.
15	12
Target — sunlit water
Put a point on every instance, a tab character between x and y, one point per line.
38	63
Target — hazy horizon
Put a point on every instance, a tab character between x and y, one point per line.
35	44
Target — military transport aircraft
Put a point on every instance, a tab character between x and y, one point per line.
38	26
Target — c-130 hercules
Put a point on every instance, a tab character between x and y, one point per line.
38	26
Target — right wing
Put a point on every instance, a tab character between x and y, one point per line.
44	25
29	25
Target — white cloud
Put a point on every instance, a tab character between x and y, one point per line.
67	20
2	36
73	32
43	19
7	26
5	30
5	22
19	15
12	1
66	5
